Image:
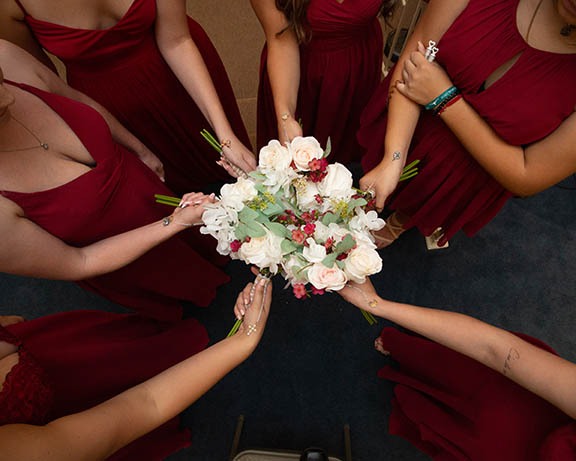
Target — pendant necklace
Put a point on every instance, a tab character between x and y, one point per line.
41	144
565	31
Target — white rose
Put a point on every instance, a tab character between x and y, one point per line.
263	251
314	253
305	150
362	262
366	221
306	196
322	277
274	157
237	194
337	183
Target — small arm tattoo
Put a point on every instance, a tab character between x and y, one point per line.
513	354
396	156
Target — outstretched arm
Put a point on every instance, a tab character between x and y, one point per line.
403	113
97	433
521	170
283	66
29	250
184	58
545	374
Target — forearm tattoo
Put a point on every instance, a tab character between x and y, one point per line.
513	355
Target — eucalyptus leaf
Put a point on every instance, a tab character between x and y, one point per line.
330	218
273	209
247	214
356	202
329	260
347	244
257	175
328	149
287	246
241	231
260	187
341	264
277	229
255	230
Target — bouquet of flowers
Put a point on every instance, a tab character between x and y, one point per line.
298	215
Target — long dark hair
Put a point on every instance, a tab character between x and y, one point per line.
295	12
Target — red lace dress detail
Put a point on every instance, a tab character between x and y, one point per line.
27	394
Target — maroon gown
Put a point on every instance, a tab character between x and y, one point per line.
72	361
116	196
454	408
452	190
340	68
122	68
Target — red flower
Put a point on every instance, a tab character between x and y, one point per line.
314	164
309	228
298	236
329	243
323	164
315	291
317	176
319	198
299	290
235	245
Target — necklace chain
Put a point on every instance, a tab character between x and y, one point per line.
532	21
41	144
565	31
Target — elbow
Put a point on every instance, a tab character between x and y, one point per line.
167	42
522	187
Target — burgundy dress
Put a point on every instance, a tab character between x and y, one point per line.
339	70
122	68
116	196
452	190
454	408
72	361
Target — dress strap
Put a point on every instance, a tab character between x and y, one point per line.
19	3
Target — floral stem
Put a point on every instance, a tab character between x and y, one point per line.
369	317
211	140
165	202
235	328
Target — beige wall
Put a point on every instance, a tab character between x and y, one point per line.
236	33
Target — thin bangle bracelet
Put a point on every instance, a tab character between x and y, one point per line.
169	219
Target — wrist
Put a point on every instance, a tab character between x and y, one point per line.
246	344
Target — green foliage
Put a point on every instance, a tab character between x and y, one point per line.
328	149
330	218
277	229
287	246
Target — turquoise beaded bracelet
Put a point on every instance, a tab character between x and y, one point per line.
447	95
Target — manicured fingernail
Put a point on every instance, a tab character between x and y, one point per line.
212	195
243	312
262	282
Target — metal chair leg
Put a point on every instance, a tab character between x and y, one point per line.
237	435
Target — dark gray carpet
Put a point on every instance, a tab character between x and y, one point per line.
315	369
